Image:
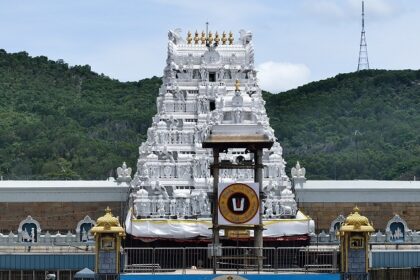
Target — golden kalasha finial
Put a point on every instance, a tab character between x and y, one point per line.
210	38
237	85
217	39
230	38
196	38
224	39
203	38
189	38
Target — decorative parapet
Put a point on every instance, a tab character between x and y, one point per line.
377	237
29	234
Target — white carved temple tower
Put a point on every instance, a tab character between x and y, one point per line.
208	79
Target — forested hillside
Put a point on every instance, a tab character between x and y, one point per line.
363	125
67	122
70	123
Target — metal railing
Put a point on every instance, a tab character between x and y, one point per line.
229	259
46	249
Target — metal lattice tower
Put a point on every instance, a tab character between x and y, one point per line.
363	53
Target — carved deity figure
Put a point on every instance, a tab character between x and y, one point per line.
197	135
124	172
194	205
203	105
268	206
277	206
204	167
187	207
237	115
26	237
298	172
203	74
203	203
172	207
221	75
161	206
195	166
84	235
180	208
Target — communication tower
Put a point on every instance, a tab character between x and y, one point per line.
363	53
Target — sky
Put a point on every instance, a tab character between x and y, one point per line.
295	42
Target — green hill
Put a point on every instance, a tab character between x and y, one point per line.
67	122
363	125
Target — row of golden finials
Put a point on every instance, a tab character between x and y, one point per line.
204	39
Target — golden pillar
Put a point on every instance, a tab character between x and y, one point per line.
354	243
108	234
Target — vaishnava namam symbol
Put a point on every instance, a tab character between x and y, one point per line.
238	207
238	203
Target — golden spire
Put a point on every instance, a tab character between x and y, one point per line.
210	38
356	209
237	85
230	38
203	38
189	38
196	39
217	39
224	39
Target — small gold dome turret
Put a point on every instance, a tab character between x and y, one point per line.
217	39
356	222
108	223
203	38
108	220
224	39
189	38
210	38
230	38
196	38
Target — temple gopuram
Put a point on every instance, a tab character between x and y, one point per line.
209	80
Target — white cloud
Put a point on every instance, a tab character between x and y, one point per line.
280	76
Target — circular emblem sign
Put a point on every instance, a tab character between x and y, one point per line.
238	203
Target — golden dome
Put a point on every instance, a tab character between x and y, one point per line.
356	222
108	220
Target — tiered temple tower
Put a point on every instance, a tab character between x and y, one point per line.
208	79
